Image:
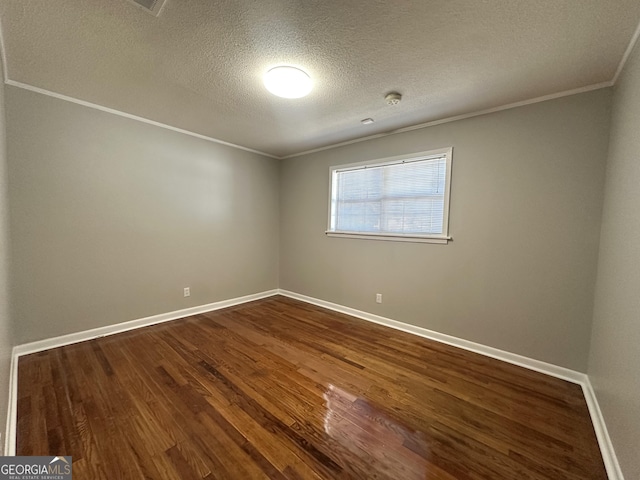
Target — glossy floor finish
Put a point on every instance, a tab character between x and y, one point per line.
284	390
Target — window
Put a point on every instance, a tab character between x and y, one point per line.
402	198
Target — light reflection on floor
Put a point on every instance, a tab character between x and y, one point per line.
376	437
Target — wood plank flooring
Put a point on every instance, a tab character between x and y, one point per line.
281	389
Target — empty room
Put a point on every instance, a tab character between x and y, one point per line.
288	239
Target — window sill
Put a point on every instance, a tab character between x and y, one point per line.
391	237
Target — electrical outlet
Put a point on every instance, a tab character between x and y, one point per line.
187	291
378	298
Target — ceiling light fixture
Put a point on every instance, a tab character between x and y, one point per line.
367	121
288	82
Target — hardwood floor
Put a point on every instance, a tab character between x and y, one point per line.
284	390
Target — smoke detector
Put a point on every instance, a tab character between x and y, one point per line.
393	98
150	6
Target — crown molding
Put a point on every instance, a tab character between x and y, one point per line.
3	55
587	88
627	54
544	98
130	116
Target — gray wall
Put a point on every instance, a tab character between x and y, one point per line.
614	363
6	336
526	200
110	218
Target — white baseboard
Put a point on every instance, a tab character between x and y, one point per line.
12	408
514	358
604	441
41	345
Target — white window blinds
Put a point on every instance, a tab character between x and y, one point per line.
407	197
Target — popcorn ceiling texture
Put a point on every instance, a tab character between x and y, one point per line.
198	66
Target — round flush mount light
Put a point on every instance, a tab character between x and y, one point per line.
287	82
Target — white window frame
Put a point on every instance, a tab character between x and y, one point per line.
442	238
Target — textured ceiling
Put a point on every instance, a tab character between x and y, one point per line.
198	66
